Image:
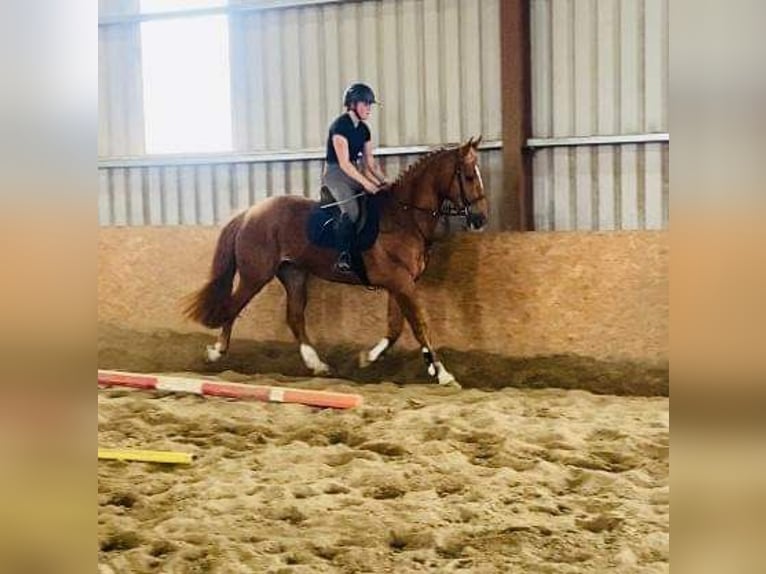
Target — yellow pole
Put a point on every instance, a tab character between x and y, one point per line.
145	455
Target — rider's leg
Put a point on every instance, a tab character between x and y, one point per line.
343	189
344	232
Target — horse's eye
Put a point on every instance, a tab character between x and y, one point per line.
469	177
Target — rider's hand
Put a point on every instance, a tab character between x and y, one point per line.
370	187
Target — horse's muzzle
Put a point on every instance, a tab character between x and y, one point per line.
475	221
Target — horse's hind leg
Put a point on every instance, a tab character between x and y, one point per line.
241	296
294	281
395	326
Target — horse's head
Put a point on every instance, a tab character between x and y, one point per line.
448	182
466	189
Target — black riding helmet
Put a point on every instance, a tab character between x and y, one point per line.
358	93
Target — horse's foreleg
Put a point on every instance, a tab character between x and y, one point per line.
395	326
416	318
294	282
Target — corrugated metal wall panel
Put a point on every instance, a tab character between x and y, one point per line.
121	127
435	64
597	188
492	117
208	194
599	67
407	49
120	98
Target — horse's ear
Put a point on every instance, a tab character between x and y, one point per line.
466	146
472	143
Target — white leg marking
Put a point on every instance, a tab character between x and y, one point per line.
378	349
366	358
214	352
431	366
312	360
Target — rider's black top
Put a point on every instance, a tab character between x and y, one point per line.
356	137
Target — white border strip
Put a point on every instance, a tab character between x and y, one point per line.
179	385
256	157
535	143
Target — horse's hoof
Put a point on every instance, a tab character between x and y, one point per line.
212	353
321	370
364	359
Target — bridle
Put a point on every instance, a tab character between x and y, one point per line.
450	210
465	209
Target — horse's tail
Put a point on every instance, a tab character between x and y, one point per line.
211	305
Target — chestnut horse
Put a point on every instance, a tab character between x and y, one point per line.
270	239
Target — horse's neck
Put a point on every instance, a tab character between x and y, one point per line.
414	204
420	191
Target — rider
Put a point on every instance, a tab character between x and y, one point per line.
344	176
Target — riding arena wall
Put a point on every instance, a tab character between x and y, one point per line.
594	294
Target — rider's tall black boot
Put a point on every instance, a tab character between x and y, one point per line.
344	232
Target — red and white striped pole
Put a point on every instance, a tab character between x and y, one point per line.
230	390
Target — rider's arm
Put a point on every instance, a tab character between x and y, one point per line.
341	150
371	166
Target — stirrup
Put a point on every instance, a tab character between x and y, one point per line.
343	264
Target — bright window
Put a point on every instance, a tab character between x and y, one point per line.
185	64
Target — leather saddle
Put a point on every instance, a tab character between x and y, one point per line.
321	227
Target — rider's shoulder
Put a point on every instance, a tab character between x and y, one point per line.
341	123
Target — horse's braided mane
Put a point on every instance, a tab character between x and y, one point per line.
416	168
